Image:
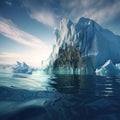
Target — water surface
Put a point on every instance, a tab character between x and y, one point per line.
42	96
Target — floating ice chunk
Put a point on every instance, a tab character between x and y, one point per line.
22	68
108	69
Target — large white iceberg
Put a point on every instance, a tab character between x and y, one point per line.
109	69
83	44
22	68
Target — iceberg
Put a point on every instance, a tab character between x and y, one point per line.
22	68
108	69
82	47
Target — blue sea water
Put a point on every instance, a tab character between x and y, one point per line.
42	96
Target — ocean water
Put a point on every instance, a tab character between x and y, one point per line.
42	96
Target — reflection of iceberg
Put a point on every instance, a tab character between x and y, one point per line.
85	85
109	69
70	84
22	68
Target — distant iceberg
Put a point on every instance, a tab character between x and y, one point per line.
22	68
109	69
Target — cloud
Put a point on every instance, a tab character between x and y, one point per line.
9	3
33	58
102	12
40	49
11	57
44	17
41	12
49	12
9	30
8	55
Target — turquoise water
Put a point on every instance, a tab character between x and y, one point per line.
42	96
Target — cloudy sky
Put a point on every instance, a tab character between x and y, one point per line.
26	26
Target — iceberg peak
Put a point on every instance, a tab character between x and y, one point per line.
84	20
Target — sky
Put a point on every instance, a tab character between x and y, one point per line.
27	26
